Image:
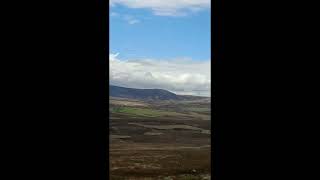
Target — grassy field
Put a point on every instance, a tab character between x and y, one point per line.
146	112
199	109
158	164
160	141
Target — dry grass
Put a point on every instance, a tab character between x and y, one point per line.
168	127
128	103
166	140
119	137
155	163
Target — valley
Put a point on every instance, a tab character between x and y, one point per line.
160	139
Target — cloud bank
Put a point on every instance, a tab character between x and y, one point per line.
181	76
166	7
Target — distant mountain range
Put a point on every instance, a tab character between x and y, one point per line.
148	94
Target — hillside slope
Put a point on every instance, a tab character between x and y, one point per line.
145	94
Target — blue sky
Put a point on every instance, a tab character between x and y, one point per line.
159	36
177	32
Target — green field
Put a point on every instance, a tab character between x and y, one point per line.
199	109
146	112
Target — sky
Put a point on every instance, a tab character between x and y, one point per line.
161	44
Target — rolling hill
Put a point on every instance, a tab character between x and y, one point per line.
148	94
144	94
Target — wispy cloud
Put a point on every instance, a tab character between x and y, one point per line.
130	19
134	21
182	76
166	7
114	14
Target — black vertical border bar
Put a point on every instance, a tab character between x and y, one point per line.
102	98
217	56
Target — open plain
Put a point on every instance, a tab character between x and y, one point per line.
160	139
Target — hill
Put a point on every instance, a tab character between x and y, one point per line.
144	94
148	94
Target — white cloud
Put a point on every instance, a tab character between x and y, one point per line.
130	19
182	76
166	7
127	18
133	21
113	14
